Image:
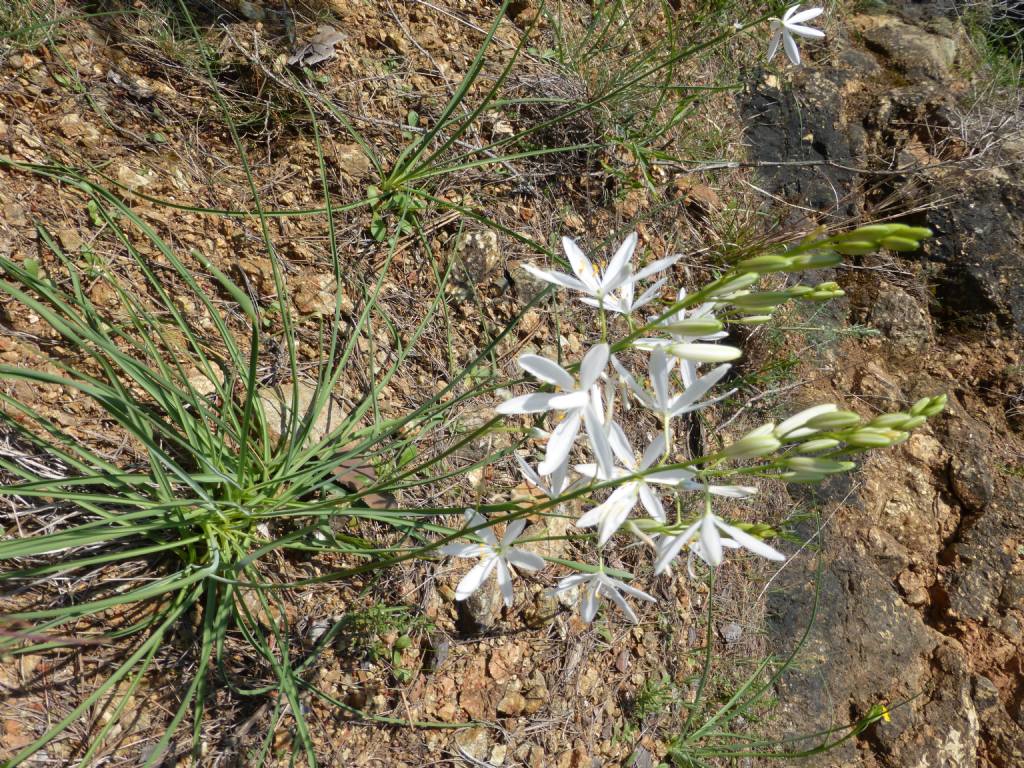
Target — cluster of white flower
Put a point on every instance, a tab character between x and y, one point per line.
593	396
685	335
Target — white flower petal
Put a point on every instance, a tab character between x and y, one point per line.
619	267
699	388
529	475
505	583
773	45
620	601
617	510
560	443
588	606
620	445
709	540
593	365
557	278
525	561
460	550
512	532
653	452
477	575
800	18
669	476
537	402
652	503
580	264
547	370
732	491
660	369
751	543
789	44
569	400
796	29
655	267
599	442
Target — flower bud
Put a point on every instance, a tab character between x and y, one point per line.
700	326
764	264
834	420
899	243
760	442
870	232
871	437
704	353
816	260
801	477
798	420
753	320
913	422
890	420
819	445
915	233
761	299
929	406
855	247
821	466
737	283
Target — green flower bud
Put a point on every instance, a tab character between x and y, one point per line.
817	260
899	244
871	232
834	420
913	422
759	442
820	466
890	420
856	247
916	233
819	445
704	353
696	327
797	291
936	406
759	299
737	283
753	320
764	264
870	437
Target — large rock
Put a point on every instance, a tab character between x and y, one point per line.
911	50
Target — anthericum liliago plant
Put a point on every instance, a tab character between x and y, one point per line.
178	528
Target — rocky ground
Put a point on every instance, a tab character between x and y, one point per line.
922	554
919	601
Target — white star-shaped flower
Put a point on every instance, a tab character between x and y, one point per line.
574	399
705	534
493	557
611	289
612	513
597	585
659	401
792	23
